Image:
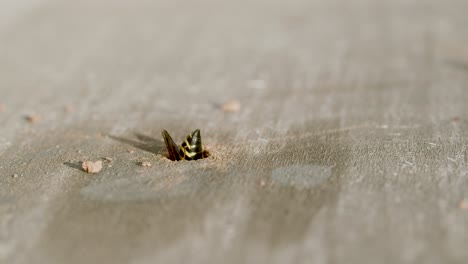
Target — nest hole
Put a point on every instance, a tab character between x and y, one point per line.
206	154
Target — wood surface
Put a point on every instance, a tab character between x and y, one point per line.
350	145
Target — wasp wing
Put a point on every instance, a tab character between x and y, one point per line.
172	148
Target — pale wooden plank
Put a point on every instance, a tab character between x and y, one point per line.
349	146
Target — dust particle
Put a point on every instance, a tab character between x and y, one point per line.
463	205
262	183
92	166
34	118
231	106
69	109
145	164
14	175
108	159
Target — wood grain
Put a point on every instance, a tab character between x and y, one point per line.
350	144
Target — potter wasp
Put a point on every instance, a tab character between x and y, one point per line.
190	149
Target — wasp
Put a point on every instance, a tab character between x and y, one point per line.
190	149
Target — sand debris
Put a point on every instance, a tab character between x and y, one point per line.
69	109
108	159
463	205
231	106
34	118
146	164
92	166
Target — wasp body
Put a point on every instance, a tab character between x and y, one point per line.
190	149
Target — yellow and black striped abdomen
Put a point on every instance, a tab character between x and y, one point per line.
191	148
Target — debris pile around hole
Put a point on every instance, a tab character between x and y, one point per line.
231	106
92	166
206	154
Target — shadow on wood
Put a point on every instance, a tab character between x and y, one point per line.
143	142
75	165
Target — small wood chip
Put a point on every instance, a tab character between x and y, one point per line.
145	164
463	205
69	109
108	159
34	118
92	166
231	106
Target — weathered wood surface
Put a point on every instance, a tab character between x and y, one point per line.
350	146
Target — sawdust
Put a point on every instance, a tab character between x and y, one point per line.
69	109
463	205
33	118
145	164
108	159
231	106
216	153
92	166
162	158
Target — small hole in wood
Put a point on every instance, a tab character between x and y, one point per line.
206	154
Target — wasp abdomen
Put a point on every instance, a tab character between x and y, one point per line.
191	148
